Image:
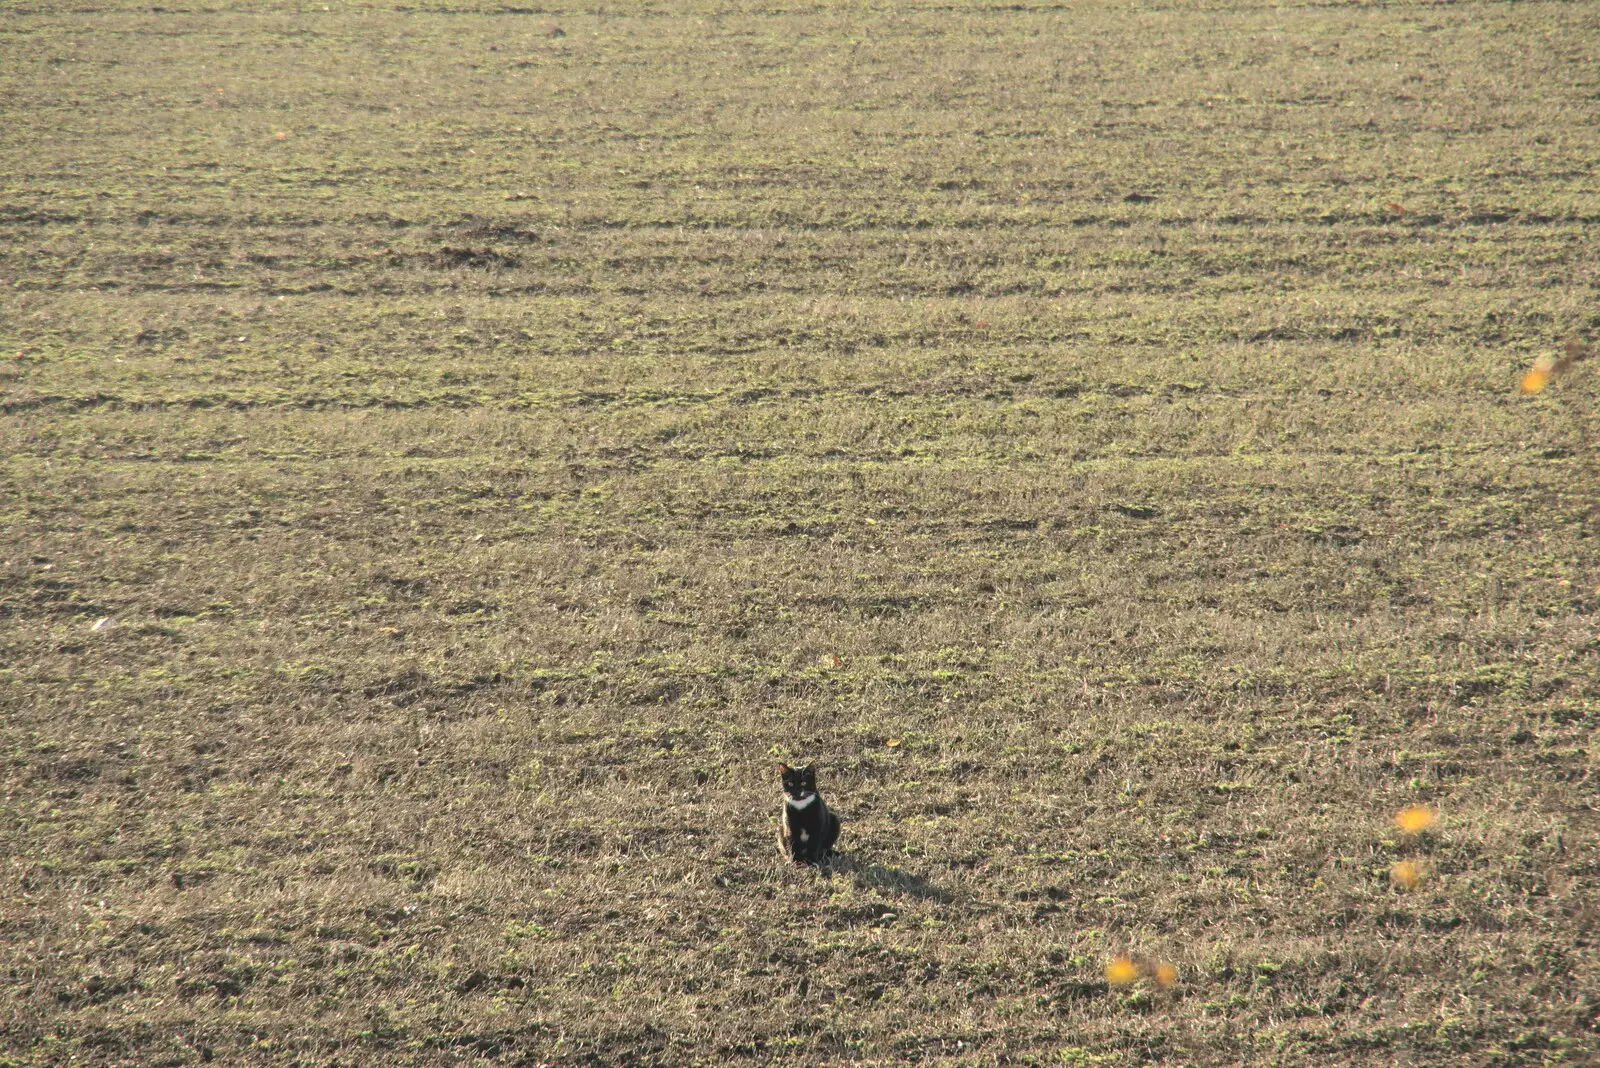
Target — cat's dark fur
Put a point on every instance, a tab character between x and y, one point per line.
808	830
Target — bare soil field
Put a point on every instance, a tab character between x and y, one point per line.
450	453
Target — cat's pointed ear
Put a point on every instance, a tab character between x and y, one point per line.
783	769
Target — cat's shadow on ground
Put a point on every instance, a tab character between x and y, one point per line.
882	877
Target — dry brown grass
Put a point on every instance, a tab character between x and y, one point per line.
485	482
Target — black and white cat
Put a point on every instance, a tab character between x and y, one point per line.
808	830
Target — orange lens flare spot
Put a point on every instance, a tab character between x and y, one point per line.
1121	972
1406	874
1414	819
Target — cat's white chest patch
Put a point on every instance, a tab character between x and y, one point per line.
805	836
792	803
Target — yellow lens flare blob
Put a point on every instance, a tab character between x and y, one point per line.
1407	874
1121	972
1539	375
1546	368
1165	975
1414	819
